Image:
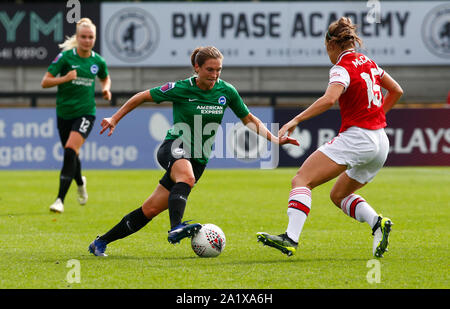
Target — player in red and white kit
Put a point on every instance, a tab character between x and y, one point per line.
357	153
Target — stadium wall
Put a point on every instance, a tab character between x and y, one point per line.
424	84
268	46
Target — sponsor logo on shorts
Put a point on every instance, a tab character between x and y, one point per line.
178	152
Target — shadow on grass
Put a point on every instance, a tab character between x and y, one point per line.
158	260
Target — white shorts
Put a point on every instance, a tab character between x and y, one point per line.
362	151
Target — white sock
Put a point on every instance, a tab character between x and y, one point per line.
298	210
356	207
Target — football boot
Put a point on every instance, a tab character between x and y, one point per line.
380	233
281	242
183	230
97	247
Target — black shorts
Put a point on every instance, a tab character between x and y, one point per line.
167	156
82	125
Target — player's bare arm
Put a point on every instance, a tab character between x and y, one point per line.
136	100
106	88
321	105
49	80
256	125
394	93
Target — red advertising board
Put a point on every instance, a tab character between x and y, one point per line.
418	137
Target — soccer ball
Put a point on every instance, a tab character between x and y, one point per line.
209	241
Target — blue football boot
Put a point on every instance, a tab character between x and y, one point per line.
97	247
183	230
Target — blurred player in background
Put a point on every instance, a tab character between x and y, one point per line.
357	153
199	103
77	66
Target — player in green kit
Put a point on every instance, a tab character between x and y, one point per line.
77	66
199	103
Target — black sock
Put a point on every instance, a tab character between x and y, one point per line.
177	202
129	224
77	176
67	172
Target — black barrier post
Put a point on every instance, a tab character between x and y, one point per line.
273	100
33	101
113	100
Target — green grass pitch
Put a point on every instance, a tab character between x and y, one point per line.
334	252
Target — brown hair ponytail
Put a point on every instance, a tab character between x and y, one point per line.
343	33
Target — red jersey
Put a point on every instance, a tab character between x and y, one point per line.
361	103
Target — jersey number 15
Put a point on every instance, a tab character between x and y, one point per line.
373	89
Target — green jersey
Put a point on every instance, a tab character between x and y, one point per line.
77	97
197	113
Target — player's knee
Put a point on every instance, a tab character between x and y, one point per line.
300	181
182	173
336	198
189	179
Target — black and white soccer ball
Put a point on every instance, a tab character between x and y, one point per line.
209	241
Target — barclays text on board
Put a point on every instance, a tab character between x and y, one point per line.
271	33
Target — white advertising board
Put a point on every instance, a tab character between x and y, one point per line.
272	33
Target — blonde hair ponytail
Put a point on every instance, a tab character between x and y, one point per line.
71	42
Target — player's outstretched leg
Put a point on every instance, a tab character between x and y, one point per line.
380	233
183	230
281	242
130	224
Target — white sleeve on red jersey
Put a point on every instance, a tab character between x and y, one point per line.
380	70
339	75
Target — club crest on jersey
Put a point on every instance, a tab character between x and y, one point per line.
222	100
94	69
167	87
